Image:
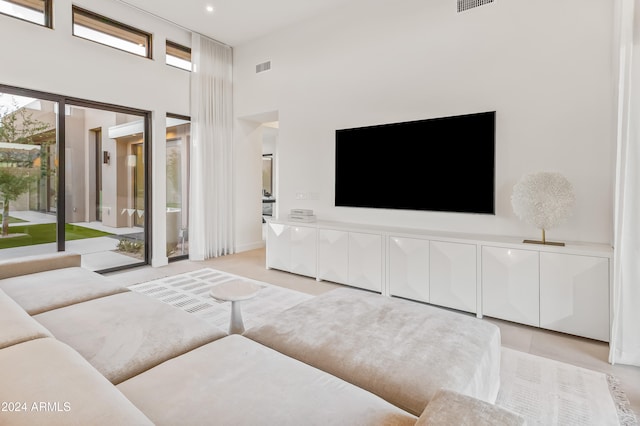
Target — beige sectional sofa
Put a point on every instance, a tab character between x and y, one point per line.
75	348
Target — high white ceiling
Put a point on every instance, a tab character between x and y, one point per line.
235	21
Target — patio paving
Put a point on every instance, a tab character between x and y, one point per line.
32	218
97	253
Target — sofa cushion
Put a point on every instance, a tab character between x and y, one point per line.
451	408
402	351
127	333
16	326
235	381
46	382
42	291
43	262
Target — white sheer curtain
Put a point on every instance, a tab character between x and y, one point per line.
625	337
211	216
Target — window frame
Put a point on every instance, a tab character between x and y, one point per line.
116	25
180	48
47	12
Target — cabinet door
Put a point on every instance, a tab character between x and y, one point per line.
365	261
333	255
510	285
278	246
452	275
574	294
409	268
303	250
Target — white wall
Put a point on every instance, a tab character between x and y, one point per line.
545	66
54	61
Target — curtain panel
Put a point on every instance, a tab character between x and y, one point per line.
625	333
211	216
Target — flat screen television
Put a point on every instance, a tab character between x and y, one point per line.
442	164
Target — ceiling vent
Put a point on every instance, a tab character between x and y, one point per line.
265	66
470	4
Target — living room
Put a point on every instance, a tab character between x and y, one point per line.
550	71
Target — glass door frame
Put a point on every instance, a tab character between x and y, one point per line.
98	159
187	151
63	102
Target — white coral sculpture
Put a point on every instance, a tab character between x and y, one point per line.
543	199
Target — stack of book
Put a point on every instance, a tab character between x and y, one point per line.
302	215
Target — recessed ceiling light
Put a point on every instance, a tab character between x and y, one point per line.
210	9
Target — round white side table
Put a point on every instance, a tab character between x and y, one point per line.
235	292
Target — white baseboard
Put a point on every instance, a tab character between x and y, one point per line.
159	261
250	246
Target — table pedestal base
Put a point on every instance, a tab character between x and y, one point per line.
236	325
235	291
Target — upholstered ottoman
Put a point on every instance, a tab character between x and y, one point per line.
16	326
127	333
235	381
400	350
451	408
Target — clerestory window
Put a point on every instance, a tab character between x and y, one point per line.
178	56
36	11
94	27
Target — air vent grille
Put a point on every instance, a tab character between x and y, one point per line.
470	4
265	66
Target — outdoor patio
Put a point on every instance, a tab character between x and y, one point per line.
97	253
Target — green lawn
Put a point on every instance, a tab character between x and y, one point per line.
46	233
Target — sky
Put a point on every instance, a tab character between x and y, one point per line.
9	103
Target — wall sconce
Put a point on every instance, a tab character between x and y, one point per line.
106	157
132	160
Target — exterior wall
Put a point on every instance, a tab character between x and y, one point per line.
75	166
95	119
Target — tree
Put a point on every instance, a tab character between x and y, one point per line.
17	126
12	185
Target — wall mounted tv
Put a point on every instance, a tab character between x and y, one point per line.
441	164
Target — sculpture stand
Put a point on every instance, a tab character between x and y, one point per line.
544	241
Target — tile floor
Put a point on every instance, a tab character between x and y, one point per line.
578	351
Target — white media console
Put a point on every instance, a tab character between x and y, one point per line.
565	289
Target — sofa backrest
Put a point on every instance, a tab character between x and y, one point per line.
39	263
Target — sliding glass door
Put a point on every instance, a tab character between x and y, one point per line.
106	193
73	176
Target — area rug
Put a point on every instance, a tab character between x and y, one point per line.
190	292
544	391
548	392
